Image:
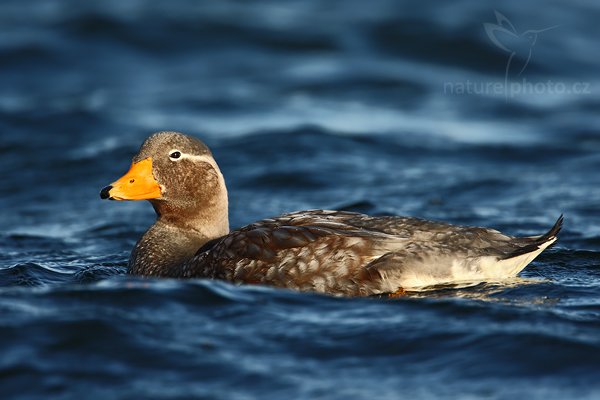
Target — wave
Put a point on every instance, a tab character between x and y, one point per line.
31	274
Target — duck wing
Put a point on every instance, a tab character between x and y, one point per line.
309	251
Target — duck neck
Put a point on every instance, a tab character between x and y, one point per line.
179	231
206	222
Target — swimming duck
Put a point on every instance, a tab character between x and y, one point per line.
334	252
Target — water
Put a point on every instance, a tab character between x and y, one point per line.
306	104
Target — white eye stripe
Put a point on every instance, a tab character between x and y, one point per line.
192	157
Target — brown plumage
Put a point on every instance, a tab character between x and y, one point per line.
335	252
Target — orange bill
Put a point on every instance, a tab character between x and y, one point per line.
137	184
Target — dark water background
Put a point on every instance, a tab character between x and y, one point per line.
307	104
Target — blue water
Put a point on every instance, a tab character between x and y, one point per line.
307	104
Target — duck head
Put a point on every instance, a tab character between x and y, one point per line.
179	176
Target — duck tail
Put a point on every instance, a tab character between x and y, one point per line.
538	243
555	230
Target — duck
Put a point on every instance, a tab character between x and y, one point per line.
338	253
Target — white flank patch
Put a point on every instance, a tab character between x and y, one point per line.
465	270
512	266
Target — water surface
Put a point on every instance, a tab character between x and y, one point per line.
306	104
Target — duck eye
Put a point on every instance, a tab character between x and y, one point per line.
175	155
